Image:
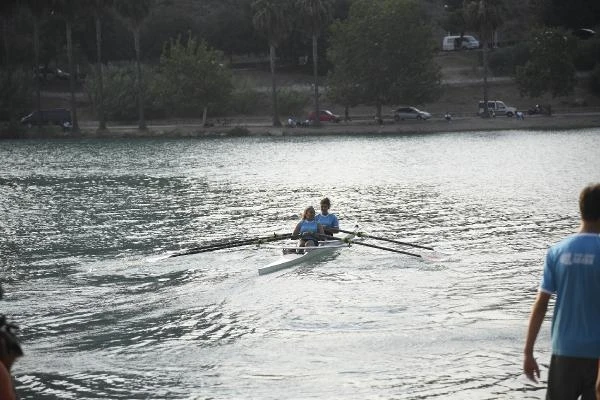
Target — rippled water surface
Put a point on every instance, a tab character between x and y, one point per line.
86	228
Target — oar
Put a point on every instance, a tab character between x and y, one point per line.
362	234
382	248
228	245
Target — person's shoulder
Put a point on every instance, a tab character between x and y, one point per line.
6	386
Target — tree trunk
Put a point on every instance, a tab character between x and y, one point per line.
140	94
36	53
75	127
276	121
316	78
204	115
486	110
101	115
9	72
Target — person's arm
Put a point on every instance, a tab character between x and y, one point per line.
7	392
296	231
598	382
335	227
530	366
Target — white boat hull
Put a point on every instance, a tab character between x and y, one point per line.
324	249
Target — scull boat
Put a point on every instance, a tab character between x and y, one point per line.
325	248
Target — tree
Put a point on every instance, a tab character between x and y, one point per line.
38	9
69	10
485	17
316	15
271	18
550	67
383	54
99	8
135	13
7	11
192	78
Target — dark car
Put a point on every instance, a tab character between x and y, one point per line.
325	115
55	116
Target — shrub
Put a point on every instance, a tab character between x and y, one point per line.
595	80
291	102
587	54
504	61
15	93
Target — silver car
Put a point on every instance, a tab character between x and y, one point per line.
402	113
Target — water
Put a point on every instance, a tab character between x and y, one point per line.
104	314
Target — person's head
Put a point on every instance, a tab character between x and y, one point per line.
309	213
325	205
589	203
10	349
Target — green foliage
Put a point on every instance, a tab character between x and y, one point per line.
587	55
504	61
246	100
191	76
383	54
595	80
550	68
271	17
120	102
292	102
15	93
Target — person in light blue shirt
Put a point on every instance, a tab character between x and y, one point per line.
572	273
309	230
328	220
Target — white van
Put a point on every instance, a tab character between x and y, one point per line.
454	42
497	107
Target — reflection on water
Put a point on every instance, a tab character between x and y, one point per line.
104	314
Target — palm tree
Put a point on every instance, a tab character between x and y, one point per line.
7	10
485	17
38	9
68	9
135	13
99	7
317	14
271	18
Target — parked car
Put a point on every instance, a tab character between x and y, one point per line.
457	42
497	107
55	116
402	113
325	115
47	73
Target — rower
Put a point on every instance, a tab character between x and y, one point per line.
328	220
308	229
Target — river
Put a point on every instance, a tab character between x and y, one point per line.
104	313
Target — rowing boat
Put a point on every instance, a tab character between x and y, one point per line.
325	248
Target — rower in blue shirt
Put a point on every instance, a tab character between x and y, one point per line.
308	230
328	220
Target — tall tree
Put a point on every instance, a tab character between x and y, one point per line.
135	13
485	17
99	8
272	18
550	67
383	54
69	10
7	11
316	15
38	10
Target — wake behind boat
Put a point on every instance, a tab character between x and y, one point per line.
299	255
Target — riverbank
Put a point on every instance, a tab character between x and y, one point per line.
187	129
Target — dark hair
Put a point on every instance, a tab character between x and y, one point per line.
589	202
326	201
9	344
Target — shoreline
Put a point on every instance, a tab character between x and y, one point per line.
177	129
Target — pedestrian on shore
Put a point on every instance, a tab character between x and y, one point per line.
572	273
